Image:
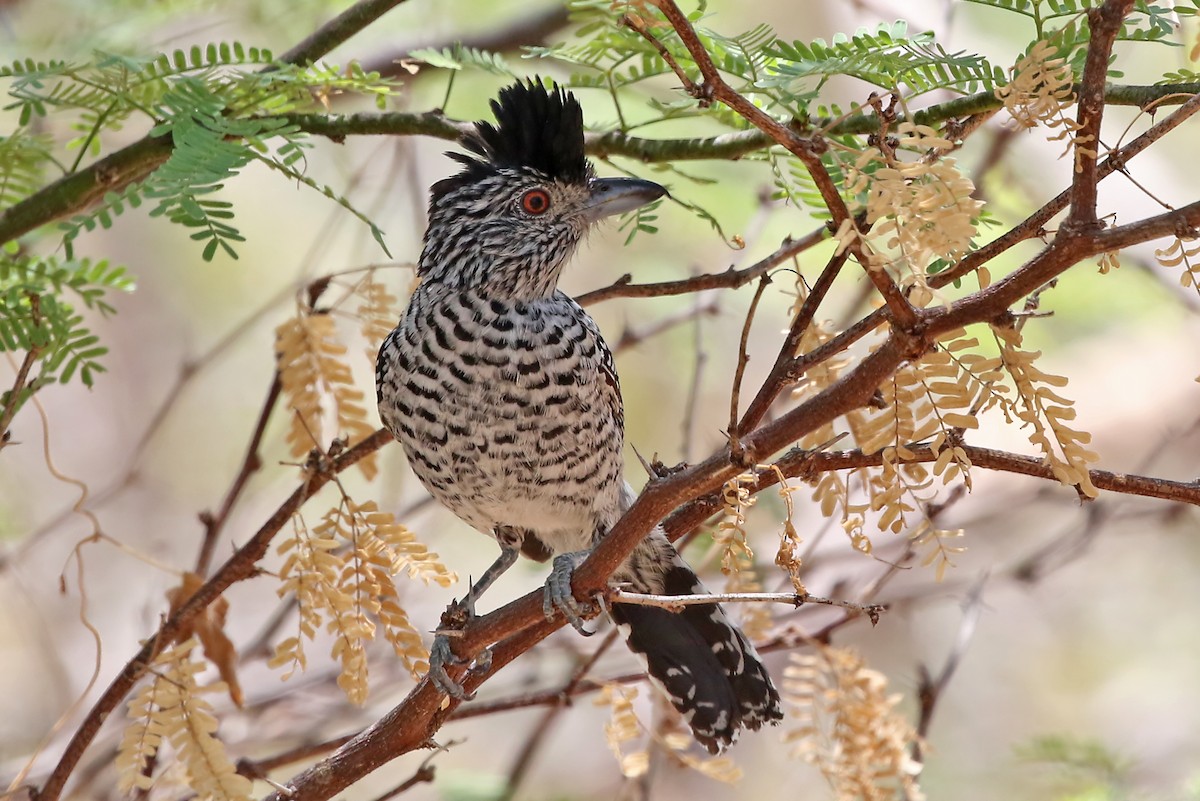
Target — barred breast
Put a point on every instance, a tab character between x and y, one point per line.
509	412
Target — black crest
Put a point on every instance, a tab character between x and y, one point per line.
536	128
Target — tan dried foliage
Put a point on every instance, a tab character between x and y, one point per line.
848	726
341	573
1040	93
1109	261
1039	407
933	400
787	556
1183	253
209	627
730	535
919	210
376	314
170	707
319	387
623	728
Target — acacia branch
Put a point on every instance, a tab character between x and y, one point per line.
251	463
338	30
808	151
1104	23
781	372
804	465
75	192
1034	224
239	567
14	394
730	279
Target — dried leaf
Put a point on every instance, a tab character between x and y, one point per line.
209	627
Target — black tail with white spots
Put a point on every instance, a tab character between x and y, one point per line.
702	661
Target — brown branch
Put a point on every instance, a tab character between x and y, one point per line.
739	371
14	394
538	736
782	371
1034	225
423	775
242	565
808	151
804	464
251	463
1104	23
531	29
931	689
729	279
338	30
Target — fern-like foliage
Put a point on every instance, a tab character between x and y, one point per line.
459	57
219	105
888	57
40	300
170	709
1064	23
23	160
342	575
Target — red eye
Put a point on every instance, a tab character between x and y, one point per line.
535	201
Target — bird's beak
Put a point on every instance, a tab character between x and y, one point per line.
611	196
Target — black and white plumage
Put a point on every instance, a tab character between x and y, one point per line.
506	399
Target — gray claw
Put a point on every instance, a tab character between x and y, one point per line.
559	597
440	655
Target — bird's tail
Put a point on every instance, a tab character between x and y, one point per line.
701	660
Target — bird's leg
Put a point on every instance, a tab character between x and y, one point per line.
458	614
559	596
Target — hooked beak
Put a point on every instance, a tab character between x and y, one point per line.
611	196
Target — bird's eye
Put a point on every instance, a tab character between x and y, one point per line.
535	201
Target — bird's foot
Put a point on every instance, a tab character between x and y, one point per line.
559	596
441	653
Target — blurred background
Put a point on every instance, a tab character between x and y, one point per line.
1072	626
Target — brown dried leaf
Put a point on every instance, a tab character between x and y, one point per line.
209	627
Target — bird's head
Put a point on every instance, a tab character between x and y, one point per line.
511	217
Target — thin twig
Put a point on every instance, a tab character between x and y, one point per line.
424	775
676	603
14	394
338	30
251	463
739	371
781	372
729	279
541	731
932	689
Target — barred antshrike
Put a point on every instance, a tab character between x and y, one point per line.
505	397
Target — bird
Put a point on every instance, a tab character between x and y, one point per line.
506	400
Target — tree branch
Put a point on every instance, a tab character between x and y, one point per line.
808	151
73	193
338	30
214	524
730	279
242	565
1104	23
